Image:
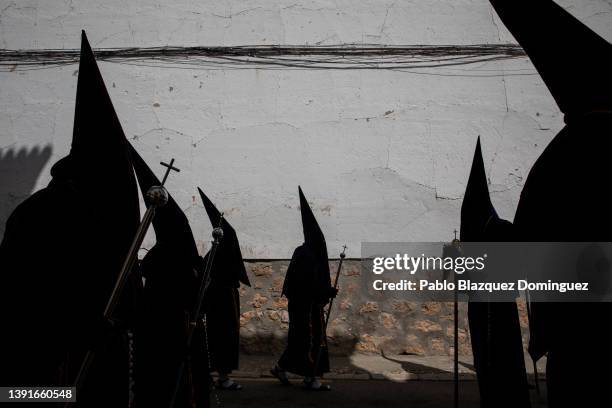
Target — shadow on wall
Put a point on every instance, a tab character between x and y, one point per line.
19	171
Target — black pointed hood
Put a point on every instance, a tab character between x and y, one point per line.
313	235
99	160
99	147
228	255
476	209
573	60
172	229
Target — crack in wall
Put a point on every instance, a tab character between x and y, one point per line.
238	13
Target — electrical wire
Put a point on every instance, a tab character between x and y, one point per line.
339	57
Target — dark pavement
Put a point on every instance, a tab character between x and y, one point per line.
353	394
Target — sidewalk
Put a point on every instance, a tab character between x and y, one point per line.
397	368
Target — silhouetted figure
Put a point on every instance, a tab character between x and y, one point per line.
495	330
61	254
222	304
171	270
561	199
308	288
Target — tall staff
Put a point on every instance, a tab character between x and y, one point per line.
197	307
328	313
157	196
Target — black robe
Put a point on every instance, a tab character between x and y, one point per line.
222	313
560	202
497	343
161	336
308	289
38	268
47	268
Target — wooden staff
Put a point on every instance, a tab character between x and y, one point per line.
331	302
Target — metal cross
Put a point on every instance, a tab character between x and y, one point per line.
342	254
170	167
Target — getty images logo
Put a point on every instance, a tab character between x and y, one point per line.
413	264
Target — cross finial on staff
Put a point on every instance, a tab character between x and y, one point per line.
170	167
342	255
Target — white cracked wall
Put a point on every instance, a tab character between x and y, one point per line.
382	155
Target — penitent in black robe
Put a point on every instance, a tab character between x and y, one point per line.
61	254
307	289
172	270
222	302
560	203
562	199
495	330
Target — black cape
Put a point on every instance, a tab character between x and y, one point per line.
222	301
171	270
560	200
495	330
308	288
61	254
